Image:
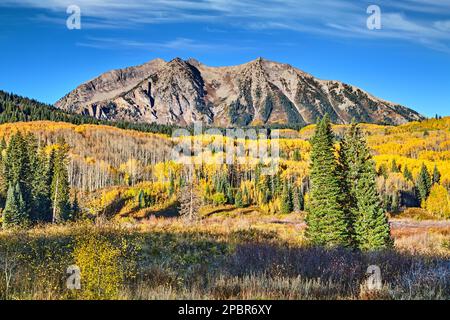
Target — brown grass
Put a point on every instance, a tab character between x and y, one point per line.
240	254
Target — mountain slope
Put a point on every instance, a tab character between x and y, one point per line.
259	92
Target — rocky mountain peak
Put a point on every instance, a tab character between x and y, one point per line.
259	92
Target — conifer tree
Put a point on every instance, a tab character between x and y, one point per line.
171	185
229	194
423	183
238	202
436	175
60	185
18	170
246	197
394	167
407	174
286	199
15	214
141	199
370	227
76	210
327	223
297	156
298	199
347	172
42	178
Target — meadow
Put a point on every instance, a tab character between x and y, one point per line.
230	254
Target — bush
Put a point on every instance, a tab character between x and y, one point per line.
219	199
105	261
438	202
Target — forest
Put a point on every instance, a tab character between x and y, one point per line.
105	166
99	195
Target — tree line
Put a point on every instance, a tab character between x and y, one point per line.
34	186
14	108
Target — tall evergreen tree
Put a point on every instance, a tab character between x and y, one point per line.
436	175
286	199
348	172
370	224
76	210
238	201
394	167
327	222
407	174
299	200
18	170
141	199
42	204
15	214
229	194
171	189
297	156
423	183
60	184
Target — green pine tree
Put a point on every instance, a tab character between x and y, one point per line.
18	170
246	197
347	171
297	155
286	200
42	178
436	175
423	183
394	167
370	229
407	174
76	209
171	185
141	199
60	189
238	202
327	222
14	214
229	195
299	200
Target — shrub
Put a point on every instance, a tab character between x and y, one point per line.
438	202
219	199
105	261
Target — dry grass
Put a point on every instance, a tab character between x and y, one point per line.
239	254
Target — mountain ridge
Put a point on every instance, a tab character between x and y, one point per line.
260	92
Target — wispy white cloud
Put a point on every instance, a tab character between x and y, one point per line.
179	44
420	21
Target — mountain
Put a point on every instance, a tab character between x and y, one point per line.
259	92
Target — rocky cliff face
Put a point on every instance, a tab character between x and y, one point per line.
259	92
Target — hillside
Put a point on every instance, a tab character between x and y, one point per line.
15	108
104	157
260	92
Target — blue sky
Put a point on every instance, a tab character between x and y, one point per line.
407	61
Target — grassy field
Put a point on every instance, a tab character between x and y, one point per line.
229	254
